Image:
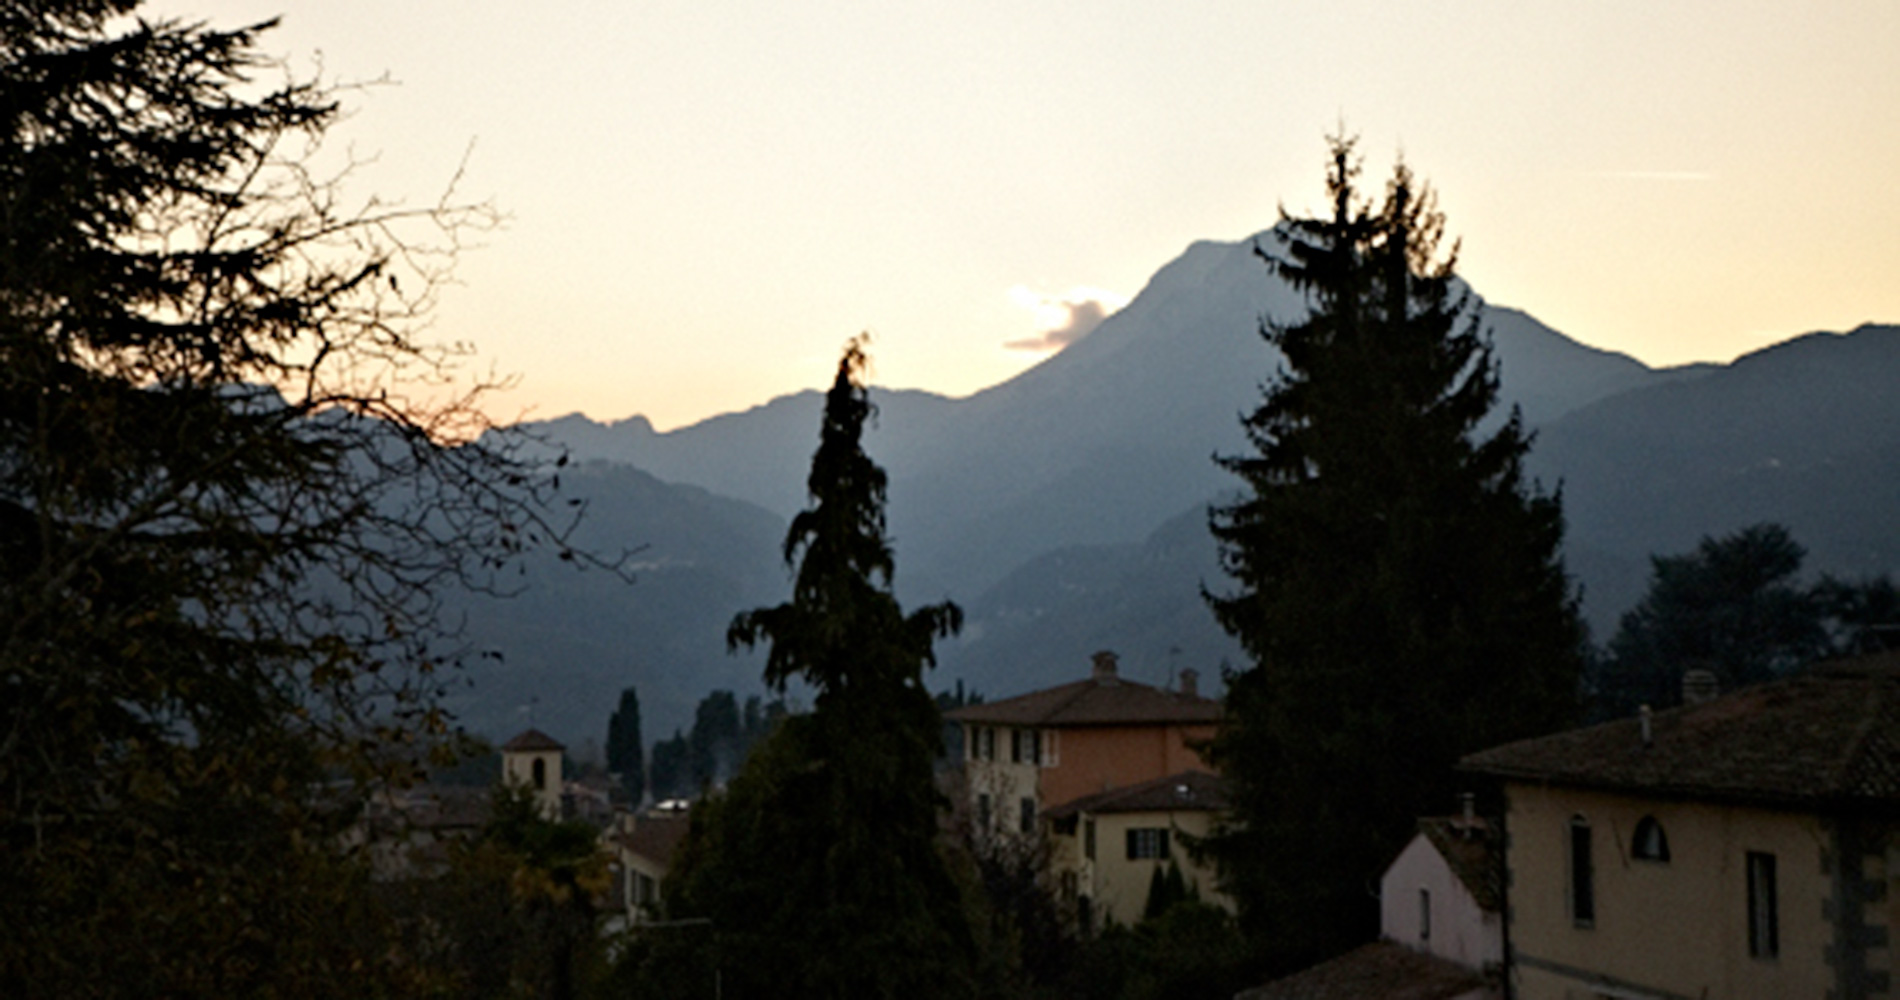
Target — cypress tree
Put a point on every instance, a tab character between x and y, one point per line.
818	865
1395	581
626	753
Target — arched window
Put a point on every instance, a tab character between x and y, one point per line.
1650	843
540	774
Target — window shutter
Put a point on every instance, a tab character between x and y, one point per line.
1134	845
1161	851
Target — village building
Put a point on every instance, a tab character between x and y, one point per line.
1739	846
532	760
1024	755
643	846
1441	905
1107	848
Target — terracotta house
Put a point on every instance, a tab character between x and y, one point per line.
1027	754
1742	846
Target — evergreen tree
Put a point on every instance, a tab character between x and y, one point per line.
819	866
223	525
1734	606
626	753
670	774
713	746
1397	584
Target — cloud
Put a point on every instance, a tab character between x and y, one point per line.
1063	318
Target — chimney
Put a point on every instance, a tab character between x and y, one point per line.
1699	686
1643	716
1190	683
1104	672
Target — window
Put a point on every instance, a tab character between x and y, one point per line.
540	771
982	743
1147	842
983	811
1025	746
1764	934
1649	842
1088	838
1583	896
1029	816
1424	914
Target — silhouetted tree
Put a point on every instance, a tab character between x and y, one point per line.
223	516
1734	606
670	774
713	747
1863	616
626	753
818	866
1397	583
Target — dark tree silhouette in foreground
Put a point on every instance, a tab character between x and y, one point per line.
223	513
819	865
1396	582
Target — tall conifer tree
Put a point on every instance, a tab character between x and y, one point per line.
1396	582
819	866
626	752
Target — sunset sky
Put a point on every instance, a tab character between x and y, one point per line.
707	198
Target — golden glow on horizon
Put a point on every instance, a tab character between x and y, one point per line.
708	199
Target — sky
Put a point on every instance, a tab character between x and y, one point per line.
706	199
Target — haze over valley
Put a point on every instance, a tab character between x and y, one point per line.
1065	508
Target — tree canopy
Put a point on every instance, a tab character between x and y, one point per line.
232	479
1396	582
819	865
626	753
1735	606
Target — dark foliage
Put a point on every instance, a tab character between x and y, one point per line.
1190	951
626	753
222	518
1397	583
819	865
1736	607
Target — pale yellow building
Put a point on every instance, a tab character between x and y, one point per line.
643	847
532	760
1746	846
1106	848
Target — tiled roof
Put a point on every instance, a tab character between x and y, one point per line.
1109	701
1189	791
655	836
1380	971
1470	851
1829	737
531	740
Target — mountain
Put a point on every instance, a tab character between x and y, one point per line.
561	640
1806	432
1096	445
1065	508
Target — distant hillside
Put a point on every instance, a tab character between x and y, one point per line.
1065	508
1806	432
571	639
1096	445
